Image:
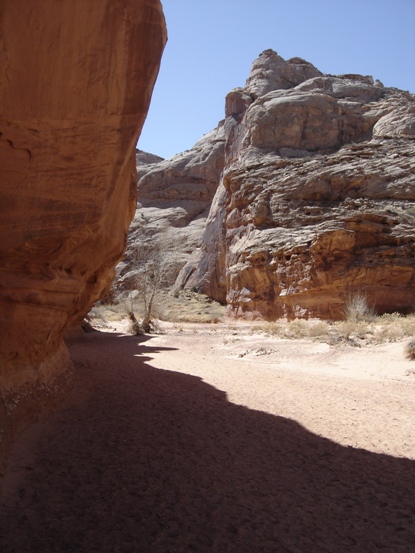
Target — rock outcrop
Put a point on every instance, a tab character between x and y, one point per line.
76	79
174	197
317	197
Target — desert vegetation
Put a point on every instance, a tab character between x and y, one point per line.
147	298
410	349
182	306
156	262
379	329
358	329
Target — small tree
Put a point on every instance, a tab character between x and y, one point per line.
155	259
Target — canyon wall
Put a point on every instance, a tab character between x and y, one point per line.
76	78
173	198
317	198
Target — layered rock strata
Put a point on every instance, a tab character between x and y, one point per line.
76	79
317	198
174	197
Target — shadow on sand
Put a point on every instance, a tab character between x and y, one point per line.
144	460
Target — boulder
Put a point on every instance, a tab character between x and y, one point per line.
76	78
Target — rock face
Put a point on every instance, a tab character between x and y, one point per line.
76	79
317	197
174	197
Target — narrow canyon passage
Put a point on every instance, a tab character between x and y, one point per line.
146	459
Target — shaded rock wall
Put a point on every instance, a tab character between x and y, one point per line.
76	79
317	198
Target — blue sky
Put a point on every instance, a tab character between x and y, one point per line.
212	44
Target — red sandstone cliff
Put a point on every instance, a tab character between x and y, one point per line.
76	78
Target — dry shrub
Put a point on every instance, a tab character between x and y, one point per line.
409	324
393	327
297	329
190	316
363	328
186	306
318	329
107	313
352	329
358	309
410	349
134	326
177	307
391	317
276	328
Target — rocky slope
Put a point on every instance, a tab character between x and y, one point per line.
174	197
75	85
317	197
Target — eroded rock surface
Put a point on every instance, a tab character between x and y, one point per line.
317	199
174	198
75	85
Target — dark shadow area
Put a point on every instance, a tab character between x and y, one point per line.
145	460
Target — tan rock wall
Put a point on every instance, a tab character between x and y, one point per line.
317	200
76	78
305	235
174	197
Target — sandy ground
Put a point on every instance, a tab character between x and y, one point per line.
217	439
